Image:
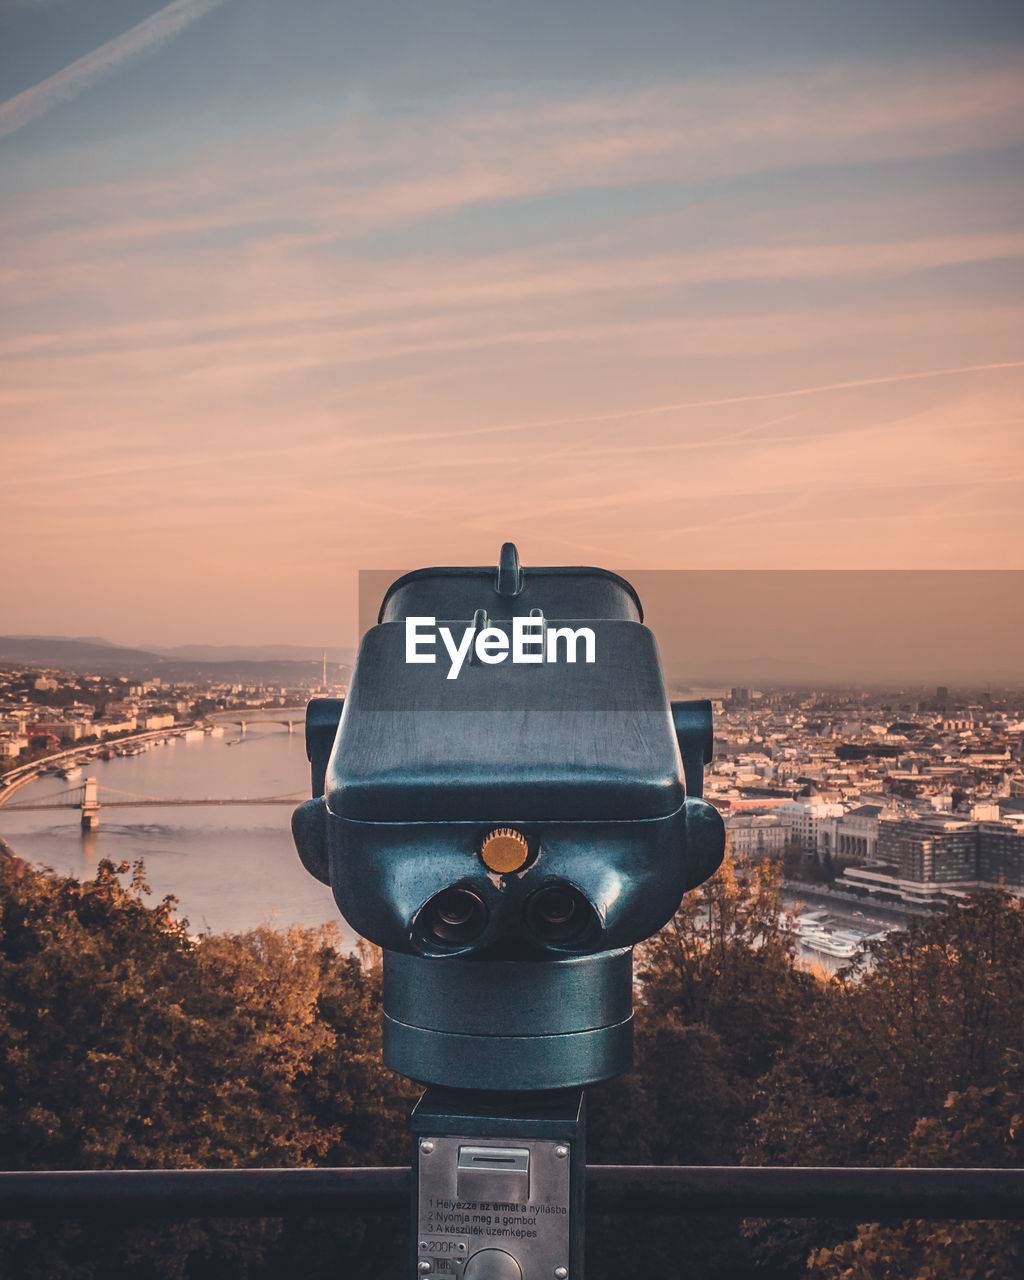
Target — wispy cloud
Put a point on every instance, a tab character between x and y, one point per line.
86	71
362	172
417	301
755	319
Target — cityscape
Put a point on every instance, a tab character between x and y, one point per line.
880	804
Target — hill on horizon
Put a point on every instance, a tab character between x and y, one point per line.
238	664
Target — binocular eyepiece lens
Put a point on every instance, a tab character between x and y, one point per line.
455	916
556	907
559	914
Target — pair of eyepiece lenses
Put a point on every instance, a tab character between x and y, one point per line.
557	915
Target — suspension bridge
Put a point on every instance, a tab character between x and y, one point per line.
244	724
90	797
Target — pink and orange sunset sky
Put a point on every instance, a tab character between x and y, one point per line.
295	289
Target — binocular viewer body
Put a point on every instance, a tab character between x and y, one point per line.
505	803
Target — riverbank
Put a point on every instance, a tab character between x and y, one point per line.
24	774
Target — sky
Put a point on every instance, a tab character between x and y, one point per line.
290	290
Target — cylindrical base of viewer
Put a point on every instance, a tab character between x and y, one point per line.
509	1024
498	1184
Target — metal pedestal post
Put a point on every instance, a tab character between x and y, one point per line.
498	1183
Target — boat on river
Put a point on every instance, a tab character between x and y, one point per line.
840	943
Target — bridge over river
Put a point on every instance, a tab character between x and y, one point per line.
91	797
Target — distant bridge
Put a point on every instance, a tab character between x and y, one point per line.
289	717
87	799
244	724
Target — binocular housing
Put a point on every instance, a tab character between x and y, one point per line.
508	823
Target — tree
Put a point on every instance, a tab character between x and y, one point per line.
125	1043
726	962
719	997
924	1011
979	1126
922	1014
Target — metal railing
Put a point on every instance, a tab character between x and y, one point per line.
862	1194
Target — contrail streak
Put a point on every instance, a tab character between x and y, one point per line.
748	399
644	410
153	31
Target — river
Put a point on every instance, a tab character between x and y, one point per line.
231	868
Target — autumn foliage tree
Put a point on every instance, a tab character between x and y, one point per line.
923	1016
126	1043
719	999
925	1011
982	1125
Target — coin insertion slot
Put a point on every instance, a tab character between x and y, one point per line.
494	1174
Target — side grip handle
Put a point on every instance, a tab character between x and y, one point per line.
705	841
309	830
322	717
696	740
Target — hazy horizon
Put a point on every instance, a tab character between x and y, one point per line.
881	627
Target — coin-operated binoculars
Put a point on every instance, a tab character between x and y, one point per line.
506	803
